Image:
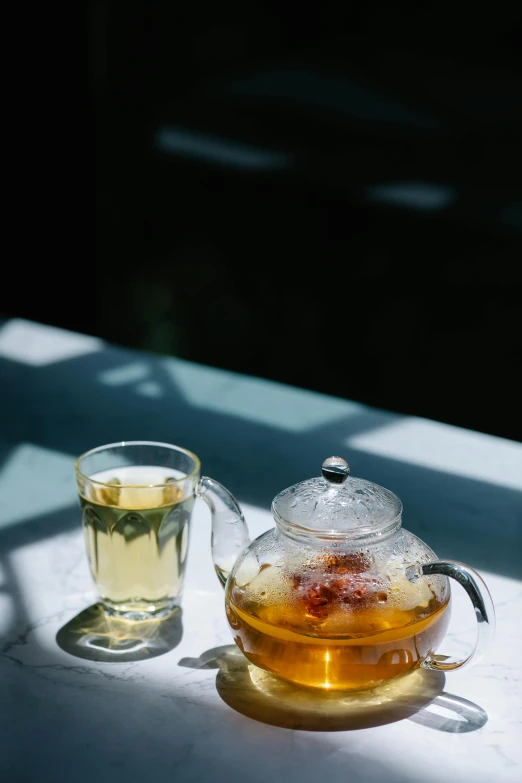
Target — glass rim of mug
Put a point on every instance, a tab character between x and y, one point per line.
119	444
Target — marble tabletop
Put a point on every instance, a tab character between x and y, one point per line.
83	698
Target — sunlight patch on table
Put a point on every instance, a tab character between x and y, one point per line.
446	448
6	612
256	399
131	372
35	481
135	374
39	345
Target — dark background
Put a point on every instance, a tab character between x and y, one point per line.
329	198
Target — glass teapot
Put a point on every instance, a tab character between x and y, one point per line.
338	595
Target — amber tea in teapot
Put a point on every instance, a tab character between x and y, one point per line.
336	624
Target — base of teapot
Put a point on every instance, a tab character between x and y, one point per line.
258	673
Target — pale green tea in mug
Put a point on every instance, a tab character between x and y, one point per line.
136	523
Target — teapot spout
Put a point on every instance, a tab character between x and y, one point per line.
229	529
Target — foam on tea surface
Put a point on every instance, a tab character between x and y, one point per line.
136	486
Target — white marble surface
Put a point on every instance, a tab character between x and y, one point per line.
175	718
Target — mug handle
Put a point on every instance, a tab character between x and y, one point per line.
229	529
480	597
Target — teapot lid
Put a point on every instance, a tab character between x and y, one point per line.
337	505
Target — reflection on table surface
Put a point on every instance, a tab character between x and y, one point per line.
96	636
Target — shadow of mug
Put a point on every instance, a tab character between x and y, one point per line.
261	696
95	636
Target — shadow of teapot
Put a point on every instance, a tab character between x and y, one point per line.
259	695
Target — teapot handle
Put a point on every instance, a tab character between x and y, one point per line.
480	597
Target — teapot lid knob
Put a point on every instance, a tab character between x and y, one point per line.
335	470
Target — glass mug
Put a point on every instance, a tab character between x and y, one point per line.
136	502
